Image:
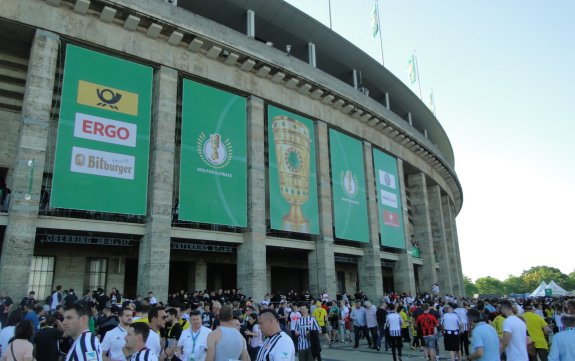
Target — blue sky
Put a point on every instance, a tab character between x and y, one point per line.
502	78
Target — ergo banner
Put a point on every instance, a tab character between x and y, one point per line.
101	161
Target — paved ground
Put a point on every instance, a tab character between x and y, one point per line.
345	352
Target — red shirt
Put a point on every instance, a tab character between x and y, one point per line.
427	323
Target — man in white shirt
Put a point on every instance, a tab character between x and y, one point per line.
194	340
451	327
294	317
514	341
157	320
115	339
152	299
56	298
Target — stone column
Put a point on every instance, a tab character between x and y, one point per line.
369	266
20	235
251	258
453	246
403	275
321	261
154	256
422	229
440	245
201	275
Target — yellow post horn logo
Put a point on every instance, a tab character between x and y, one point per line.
105	97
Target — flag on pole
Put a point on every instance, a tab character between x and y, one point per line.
374	21
411	73
431	104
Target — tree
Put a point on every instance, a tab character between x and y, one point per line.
532	277
515	284
470	288
490	285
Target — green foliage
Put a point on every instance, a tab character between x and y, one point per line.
514	284
470	288
490	285
533	276
528	281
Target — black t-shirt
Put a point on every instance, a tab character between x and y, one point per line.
281	313
47	344
207	318
380	315
174	331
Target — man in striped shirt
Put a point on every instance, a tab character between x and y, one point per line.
86	345
278	346
393	324
303	328
136	342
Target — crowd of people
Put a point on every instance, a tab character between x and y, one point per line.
225	324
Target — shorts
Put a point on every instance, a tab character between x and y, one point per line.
334	324
451	342
323	329
429	341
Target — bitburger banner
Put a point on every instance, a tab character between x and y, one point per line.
102	150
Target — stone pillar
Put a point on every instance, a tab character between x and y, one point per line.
321	261
422	229
403	275
251	258
154	256
18	246
201	275
440	245
369	266
453	246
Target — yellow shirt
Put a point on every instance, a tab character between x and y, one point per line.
535	324
498	324
320	314
404	319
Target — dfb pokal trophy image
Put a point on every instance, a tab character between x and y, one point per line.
215	142
292	145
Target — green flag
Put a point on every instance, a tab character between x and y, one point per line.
374	21
411	73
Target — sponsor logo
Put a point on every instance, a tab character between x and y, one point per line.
387	179
104	97
105	164
390	219
105	130
213	151
389	199
349	183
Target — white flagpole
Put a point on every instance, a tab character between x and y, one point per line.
329	5
379	29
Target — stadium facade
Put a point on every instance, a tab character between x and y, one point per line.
151	145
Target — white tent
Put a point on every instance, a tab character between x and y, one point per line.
556	290
540	291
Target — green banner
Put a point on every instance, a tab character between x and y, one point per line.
213	169
348	187
101	161
292	172
388	200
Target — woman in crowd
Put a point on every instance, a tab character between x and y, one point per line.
19	348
